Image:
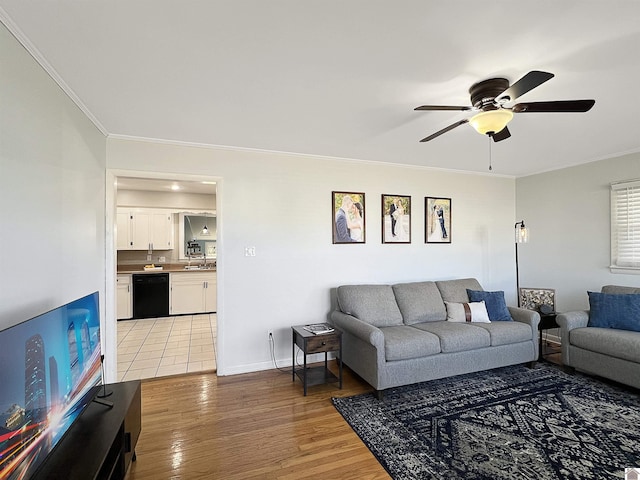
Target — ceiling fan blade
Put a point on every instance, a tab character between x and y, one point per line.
501	135
442	107
527	83
444	130
559	106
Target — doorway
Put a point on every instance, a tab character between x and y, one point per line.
166	345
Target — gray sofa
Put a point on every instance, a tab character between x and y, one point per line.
399	334
607	352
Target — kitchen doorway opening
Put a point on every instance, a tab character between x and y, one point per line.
150	214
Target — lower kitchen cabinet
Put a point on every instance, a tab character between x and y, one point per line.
124	295
192	292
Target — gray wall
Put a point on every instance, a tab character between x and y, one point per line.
281	205
568	212
52	199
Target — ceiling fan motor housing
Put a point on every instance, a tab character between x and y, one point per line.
483	93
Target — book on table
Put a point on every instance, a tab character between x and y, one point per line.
319	328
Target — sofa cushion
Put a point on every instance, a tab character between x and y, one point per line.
456	290
506	333
419	302
621	344
608	310
496	306
472	312
405	342
457	337
374	304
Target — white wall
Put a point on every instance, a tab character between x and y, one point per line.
568	212
281	204
52	199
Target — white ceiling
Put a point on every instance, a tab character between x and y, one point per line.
341	78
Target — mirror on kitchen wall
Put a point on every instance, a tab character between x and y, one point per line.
197	235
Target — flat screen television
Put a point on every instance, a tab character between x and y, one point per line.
50	370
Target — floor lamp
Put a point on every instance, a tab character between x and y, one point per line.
522	236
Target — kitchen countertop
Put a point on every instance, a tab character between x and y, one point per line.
166	268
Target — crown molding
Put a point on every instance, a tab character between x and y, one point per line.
20	36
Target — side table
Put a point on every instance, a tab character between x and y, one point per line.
311	343
547	321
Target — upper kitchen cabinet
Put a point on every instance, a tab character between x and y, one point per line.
144	229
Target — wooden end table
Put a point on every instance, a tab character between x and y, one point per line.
311	343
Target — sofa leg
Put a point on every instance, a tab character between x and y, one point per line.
532	364
379	394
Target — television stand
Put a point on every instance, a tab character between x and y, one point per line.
101	442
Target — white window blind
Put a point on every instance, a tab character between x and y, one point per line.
625	227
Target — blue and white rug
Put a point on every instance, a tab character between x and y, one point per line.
508	423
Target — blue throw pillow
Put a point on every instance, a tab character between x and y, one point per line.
496	306
609	310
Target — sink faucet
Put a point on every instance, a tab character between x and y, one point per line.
204	260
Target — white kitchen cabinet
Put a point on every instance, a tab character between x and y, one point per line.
193	292
123	232
144	230
124	296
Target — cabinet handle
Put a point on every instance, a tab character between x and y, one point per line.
128	288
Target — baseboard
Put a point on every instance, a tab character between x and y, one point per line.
261	366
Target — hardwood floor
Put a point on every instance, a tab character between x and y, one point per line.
252	426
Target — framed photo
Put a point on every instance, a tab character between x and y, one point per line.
533	298
437	227
348	217
396	219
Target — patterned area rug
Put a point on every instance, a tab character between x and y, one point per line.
508	423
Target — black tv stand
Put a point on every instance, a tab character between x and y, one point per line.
101	443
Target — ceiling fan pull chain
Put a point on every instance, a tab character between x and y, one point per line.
489	137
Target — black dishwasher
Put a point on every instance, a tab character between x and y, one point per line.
150	295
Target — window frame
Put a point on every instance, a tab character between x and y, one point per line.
625	221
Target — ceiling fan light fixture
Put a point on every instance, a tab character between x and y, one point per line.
491	121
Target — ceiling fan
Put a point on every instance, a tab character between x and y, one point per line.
489	98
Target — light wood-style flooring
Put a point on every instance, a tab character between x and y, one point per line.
252	426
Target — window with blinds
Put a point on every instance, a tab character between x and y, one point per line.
625	227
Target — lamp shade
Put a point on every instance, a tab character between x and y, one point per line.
522	234
492	121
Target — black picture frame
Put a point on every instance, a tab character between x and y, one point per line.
348	217
437	227
396	218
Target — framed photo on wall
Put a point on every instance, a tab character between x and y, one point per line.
437	227
396	219
348	217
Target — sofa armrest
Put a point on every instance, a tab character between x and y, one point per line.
356	327
526	316
569	321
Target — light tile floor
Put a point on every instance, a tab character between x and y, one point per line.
157	347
